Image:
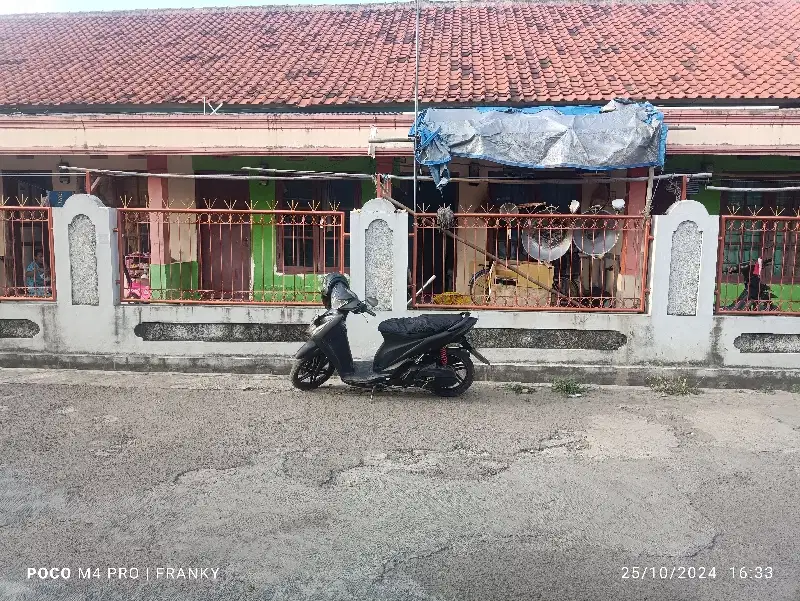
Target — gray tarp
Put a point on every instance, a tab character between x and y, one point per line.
617	136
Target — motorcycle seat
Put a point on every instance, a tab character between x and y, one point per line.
418	327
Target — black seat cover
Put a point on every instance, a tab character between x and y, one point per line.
418	327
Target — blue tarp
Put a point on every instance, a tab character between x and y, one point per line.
619	135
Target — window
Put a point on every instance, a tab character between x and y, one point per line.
117	192
304	244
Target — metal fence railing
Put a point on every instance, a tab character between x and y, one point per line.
228	256
26	253
590	262
758	268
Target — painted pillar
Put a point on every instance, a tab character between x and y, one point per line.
158	198
471	197
182	228
637	192
637	198
384	165
4	225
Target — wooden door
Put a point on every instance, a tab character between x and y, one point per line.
225	248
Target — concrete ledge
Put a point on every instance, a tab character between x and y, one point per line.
269	364
640	375
622	375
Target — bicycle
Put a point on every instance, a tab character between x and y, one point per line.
479	285
567	283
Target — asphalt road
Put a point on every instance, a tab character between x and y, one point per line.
499	495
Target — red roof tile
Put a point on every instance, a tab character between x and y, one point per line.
531	52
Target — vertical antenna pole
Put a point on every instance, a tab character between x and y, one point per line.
416	99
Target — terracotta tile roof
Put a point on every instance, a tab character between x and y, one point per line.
518	52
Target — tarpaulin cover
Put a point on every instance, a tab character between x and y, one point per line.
619	135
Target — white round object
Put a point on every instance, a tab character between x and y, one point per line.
542	248
596	242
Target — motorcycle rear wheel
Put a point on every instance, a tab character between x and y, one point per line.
311	372
462	364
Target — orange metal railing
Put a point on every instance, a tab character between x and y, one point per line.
591	262
746	286
228	256
26	253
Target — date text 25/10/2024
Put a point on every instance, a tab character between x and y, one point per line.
696	572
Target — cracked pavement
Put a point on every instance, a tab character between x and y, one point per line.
324	496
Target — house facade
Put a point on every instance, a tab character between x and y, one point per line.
306	89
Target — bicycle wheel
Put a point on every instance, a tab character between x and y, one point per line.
479	287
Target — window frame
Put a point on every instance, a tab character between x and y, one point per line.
319	191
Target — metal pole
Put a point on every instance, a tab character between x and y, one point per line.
420	291
736	189
571	182
317	174
648	203
416	99
220	176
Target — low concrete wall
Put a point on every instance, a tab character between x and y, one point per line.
88	327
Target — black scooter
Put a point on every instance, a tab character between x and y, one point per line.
756	295
430	351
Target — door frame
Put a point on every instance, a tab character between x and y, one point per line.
200	227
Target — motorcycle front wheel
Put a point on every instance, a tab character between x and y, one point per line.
311	372
461	363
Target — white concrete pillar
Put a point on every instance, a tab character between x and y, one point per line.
379	254
682	282
86	272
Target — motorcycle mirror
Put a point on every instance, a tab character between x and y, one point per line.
371	301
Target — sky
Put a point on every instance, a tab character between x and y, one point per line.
32	6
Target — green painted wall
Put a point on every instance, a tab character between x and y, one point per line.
732	164
174	280
694	163
788	296
268	284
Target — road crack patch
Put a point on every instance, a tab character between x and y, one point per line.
204	473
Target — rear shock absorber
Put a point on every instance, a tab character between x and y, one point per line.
443	356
